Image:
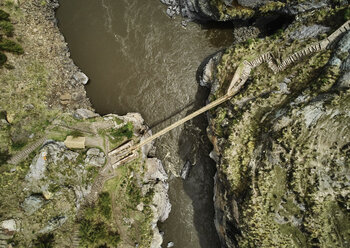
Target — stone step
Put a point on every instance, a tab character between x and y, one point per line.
17	158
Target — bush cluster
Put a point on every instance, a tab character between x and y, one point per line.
95	229
4	15
10	46
7	28
45	241
124	131
6	45
347	14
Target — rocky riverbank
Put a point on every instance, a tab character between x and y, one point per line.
281	144
43	196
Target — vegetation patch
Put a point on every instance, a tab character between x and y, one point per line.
3	58
271	6
96	229
117	136
7	45
126	193
7	28
10	46
235	11
4	16
45	241
124	131
347	14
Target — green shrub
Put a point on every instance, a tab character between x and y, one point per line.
44	241
124	131
3	58
4	15
11	46
7	27
53	188
96	225
347	14
4	156
9	3
97	234
18	145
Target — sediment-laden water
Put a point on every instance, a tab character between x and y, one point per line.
139	60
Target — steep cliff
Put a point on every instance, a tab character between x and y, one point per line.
282	143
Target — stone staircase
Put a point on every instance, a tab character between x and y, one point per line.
24	153
4	238
242	73
76	238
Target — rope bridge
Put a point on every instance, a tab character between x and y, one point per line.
126	151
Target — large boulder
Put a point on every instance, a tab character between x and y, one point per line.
84	114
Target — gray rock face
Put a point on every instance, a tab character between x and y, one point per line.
155	175
306	32
93	152
9	225
345	66
148	150
161	202
55	158
80	77
155	171
344	80
32	204
228	2
251	3
207	74
37	168
95	157
85	114
54	224
197	10
54	152
305	6
312	113
157	239
186	170
208	71
343	49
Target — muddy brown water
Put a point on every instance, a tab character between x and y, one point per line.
140	60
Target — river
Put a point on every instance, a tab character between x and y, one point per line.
140	60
